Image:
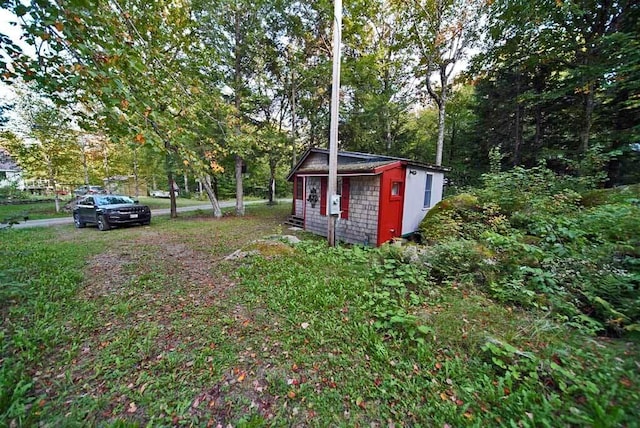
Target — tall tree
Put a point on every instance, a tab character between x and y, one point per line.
47	147
441	32
550	72
127	63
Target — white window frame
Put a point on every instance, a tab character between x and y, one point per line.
428	191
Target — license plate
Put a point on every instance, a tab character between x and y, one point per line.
133	216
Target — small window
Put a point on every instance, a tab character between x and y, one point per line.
299	188
395	188
427	191
3	175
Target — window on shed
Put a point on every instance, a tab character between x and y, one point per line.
3	175
396	190
299	188
427	190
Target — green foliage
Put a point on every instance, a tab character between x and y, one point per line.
397	286
527	239
312	335
461	216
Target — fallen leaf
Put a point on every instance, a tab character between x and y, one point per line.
304	325
140	138
132	407
291	394
242	376
438	366
443	396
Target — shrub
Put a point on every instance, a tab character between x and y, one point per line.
527	237
461	216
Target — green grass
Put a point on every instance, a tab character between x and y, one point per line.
153	326
34	211
44	210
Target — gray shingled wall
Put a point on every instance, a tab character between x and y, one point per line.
362	225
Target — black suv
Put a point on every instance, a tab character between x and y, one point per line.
109	210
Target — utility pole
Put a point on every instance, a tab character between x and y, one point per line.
333	134
293	111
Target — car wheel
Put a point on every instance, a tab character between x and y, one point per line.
146	223
103	224
77	222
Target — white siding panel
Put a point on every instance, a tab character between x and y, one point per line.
413	209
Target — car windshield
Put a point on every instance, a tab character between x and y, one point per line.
113	199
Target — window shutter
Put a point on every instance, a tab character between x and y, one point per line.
323	195
344	198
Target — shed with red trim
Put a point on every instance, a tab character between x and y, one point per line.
382	197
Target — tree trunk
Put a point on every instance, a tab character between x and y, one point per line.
239	188
85	166
588	103
272	182
517	143
452	141
293	116
170	179
442	114
537	139
205	182
52	183
136	182
441	121
237	81
186	182
106	170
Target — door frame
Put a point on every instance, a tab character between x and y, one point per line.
387	211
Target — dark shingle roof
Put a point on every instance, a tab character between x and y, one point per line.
354	162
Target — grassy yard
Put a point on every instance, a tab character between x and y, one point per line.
42	210
152	325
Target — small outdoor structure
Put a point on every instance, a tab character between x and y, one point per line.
10	172
382	197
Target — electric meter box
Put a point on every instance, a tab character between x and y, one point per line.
334	206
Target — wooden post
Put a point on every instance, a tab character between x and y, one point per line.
335	107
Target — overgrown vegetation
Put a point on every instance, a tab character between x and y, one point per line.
152	326
533	238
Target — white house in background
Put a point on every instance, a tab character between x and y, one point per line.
382	197
10	172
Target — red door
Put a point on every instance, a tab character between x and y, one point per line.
391	203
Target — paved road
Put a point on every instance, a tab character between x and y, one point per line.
156	212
